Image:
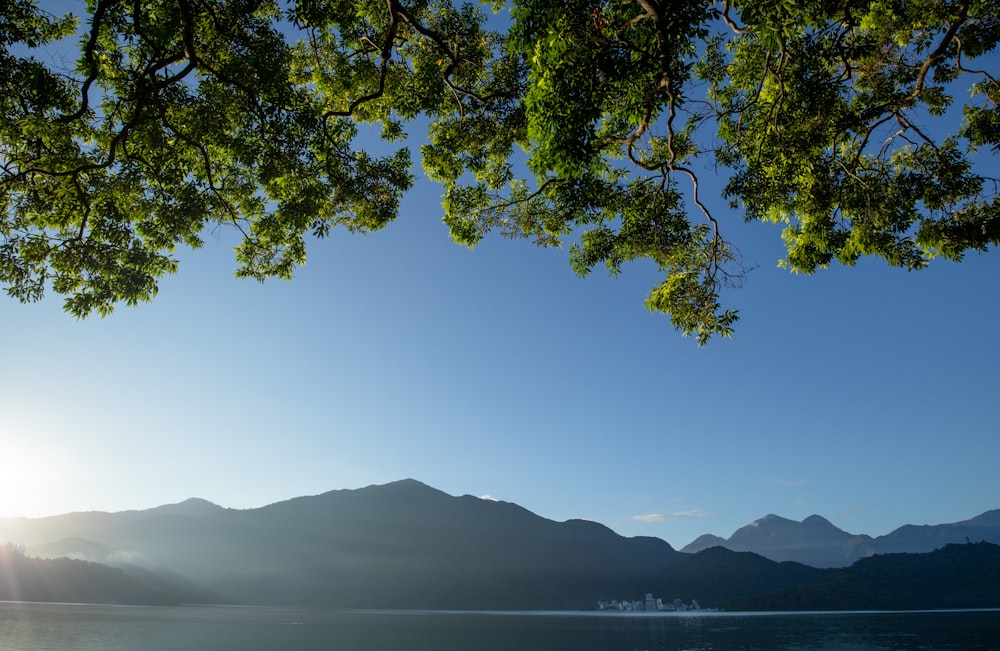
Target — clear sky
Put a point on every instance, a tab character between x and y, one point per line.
866	395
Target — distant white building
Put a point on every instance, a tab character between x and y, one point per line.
650	604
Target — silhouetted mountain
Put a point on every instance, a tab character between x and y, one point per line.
814	541
920	538
407	545
817	542
703	542
716	575
399	545
955	576
194	506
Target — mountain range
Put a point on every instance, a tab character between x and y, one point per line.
407	545
817	542
397	545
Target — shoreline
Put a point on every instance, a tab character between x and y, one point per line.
654	614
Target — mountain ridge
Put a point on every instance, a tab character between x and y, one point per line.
817	542
408	545
402	544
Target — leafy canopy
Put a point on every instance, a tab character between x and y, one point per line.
582	122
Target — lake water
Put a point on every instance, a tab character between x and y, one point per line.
65	627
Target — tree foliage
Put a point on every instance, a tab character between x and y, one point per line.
580	122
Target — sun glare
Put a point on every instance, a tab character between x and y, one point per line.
28	478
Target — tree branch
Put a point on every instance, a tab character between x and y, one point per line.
729	21
938	51
88	54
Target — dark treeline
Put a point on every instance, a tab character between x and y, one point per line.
955	576
23	578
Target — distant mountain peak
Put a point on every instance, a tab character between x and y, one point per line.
192	506
402	487
987	519
409	483
818	520
198	502
770	518
703	542
818	542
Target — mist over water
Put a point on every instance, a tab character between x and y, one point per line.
57	627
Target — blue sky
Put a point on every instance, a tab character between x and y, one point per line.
867	395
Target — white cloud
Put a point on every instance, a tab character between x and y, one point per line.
660	517
788	482
488	498
693	513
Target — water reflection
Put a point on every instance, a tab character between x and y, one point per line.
44	627
818	632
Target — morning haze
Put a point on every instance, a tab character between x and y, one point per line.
406	545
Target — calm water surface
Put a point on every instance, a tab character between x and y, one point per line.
63	627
